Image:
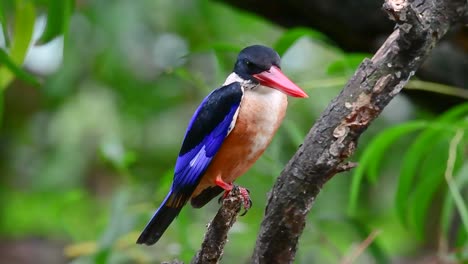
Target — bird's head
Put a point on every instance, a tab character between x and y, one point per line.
261	65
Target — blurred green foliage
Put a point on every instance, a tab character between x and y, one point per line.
422	170
87	148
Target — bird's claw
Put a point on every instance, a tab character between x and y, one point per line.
244	195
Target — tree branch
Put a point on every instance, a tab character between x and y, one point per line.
216	236
334	137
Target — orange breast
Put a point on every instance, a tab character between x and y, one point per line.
260	115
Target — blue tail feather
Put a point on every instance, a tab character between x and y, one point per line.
160	221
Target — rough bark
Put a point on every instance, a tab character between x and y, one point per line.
361	26
216	236
334	137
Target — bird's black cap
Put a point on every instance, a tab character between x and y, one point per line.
255	59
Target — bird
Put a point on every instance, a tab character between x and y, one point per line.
228	132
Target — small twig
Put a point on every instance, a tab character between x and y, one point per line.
421	85
361	247
457	197
212	247
347	166
437	88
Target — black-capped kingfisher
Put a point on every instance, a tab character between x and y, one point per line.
229	131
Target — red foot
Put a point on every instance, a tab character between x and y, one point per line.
228	187
244	194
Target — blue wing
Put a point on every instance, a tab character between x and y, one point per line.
204	136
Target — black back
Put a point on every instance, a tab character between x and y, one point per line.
212	112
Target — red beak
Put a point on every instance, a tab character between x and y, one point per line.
275	78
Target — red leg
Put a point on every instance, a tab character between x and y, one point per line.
226	186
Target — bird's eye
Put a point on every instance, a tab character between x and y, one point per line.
250	65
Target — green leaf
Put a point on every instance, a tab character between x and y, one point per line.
23	30
1	108
384	141
413	157
460	180
433	173
423	191
288	38
22	34
5	7
448	211
20	73
58	18
372	156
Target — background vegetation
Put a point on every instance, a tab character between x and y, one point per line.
94	100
